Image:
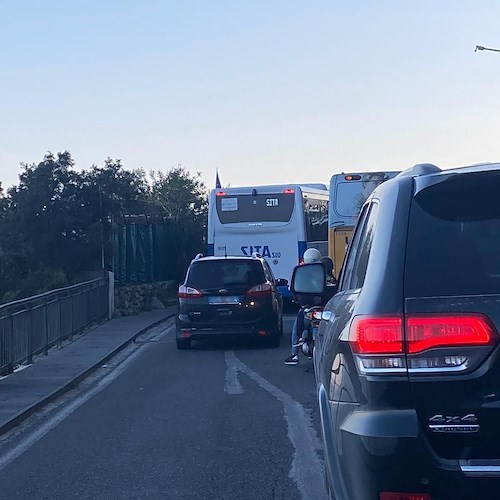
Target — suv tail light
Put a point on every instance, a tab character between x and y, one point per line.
419	343
188	292
262	290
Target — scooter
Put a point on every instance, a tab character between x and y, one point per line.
312	318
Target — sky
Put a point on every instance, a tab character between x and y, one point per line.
265	91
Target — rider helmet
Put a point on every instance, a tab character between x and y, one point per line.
311	255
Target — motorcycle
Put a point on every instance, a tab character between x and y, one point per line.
312	291
312	318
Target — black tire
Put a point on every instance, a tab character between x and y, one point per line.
183	343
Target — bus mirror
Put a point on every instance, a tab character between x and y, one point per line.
309	279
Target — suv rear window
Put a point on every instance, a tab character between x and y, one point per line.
454	237
225	273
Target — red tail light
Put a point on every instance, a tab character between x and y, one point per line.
261	290
386	495
288	191
220	193
427	332
188	292
377	335
384	344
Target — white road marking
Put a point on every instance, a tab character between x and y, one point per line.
307	467
233	385
66	411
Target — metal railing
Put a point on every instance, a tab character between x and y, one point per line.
32	326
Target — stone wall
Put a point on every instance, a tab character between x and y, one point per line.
135	298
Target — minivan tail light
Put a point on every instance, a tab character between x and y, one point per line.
428	332
261	290
188	292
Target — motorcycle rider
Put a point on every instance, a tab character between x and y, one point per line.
310	255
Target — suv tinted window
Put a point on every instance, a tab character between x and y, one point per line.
364	248
352	251
225	273
454	238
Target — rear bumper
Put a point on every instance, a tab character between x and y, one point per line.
370	452
263	329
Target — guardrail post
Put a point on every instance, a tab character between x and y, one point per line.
31	343
111	294
10	363
46	347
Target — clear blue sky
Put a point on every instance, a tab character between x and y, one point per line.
268	91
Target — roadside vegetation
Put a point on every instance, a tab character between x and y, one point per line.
56	224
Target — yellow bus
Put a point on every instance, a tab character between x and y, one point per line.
348	192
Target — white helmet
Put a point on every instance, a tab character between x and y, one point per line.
311	255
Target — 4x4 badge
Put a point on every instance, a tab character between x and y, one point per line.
454	423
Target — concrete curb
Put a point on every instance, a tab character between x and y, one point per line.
46	399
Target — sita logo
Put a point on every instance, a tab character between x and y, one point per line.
262	249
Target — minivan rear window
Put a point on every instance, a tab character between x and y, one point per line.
454	237
225	273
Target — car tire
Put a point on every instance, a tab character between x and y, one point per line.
183	343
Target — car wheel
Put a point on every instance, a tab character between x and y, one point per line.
183	343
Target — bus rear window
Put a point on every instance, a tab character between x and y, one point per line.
260	208
350	196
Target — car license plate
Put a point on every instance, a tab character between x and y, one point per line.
230	299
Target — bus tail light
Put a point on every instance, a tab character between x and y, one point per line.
288	191
262	290
188	292
420	343
220	193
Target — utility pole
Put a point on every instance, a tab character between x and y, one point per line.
480	47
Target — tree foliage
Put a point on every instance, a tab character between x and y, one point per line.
56	224
183	199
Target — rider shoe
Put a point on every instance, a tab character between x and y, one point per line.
293	359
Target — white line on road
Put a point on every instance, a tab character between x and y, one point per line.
65	412
233	385
307	467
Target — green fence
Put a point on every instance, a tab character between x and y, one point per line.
145	252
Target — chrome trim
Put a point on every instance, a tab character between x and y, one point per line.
460	368
482	470
457	429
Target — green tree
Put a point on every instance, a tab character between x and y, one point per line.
183	199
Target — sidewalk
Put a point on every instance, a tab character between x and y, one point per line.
28	390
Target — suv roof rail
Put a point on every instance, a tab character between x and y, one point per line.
420	169
257	254
198	256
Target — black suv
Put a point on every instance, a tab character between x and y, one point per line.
407	359
229	296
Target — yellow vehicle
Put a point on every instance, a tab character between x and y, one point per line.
348	192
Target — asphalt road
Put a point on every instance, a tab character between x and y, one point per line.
223	420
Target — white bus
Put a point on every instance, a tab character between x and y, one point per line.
280	222
348	192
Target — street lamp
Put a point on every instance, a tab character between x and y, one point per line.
480	47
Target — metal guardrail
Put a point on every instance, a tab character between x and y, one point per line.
32	326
